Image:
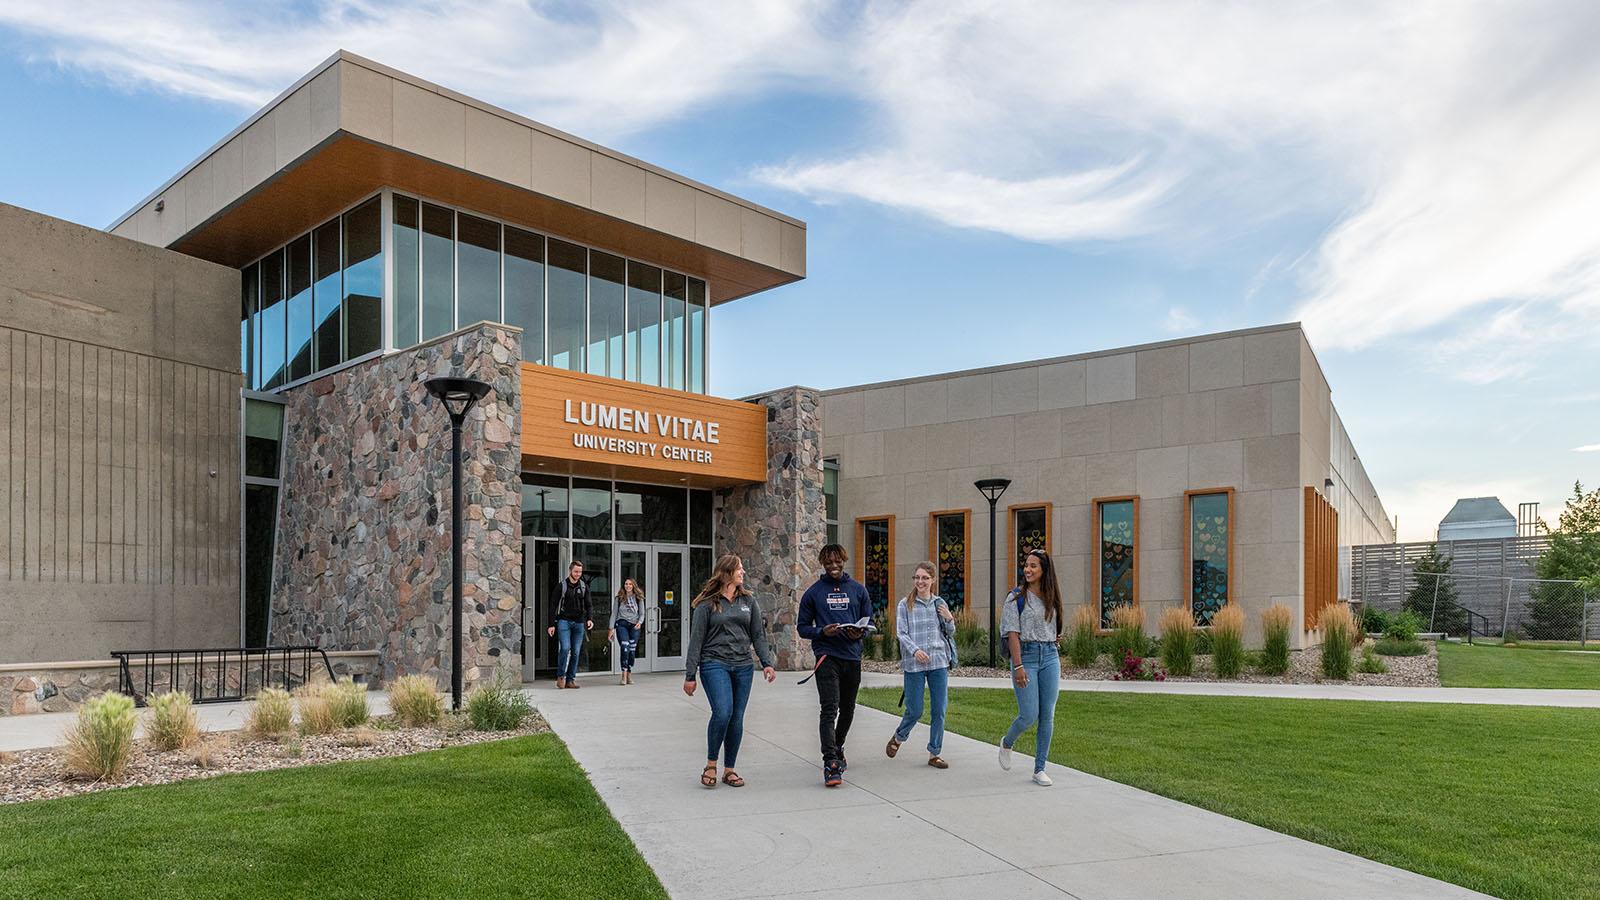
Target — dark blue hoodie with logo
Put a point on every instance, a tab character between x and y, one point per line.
829	602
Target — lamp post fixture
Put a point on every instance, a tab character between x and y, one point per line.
459	396
992	488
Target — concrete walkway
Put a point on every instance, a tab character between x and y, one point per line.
898	828
1578	699
38	730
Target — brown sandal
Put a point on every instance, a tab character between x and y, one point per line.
708	776
732	779
892	747
938	762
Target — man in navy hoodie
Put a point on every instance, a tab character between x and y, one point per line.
828	613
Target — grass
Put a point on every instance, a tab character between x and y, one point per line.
1491	666
1500	799
507	818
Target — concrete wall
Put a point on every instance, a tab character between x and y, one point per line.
119	444
1154	420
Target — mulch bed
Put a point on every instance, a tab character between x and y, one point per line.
42	774
1305	667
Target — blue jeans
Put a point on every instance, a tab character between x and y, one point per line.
938	683
627	642
727	690
570	636
1037	701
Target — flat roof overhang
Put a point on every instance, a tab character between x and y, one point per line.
353	126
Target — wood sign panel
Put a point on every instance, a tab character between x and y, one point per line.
605	428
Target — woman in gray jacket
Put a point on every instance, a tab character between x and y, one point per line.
726	626
625	628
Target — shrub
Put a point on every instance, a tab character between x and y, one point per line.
1403	627
498	705
349	702
415	700
292	748
203	753
1227	641
358	737
1512	636
1390	647
272	714
1374	620
1177	640
1203	643
100	742
1082	649
172	723
317	712
1133	668
1370	664
1127	632
1337	626
1275	625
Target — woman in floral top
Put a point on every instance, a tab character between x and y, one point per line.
1030	623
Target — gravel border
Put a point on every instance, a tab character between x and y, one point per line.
1305	667
41	774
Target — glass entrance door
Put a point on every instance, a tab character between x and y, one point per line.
662	573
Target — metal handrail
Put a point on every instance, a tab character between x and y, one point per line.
1471	613
205	672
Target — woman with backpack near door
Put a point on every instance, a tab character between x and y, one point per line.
629	620
925	626
1031	626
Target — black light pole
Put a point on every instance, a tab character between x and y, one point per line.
458	395
992	488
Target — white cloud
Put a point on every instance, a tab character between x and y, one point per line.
1587	448
1180	321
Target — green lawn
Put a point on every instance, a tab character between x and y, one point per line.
1497	798
508	818
1492	666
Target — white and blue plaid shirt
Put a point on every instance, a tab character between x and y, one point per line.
922	629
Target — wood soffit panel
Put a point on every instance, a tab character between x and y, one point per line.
346	168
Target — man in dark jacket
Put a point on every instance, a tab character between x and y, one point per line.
574	616
829	611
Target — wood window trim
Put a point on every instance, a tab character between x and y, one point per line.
1094	551
966	543
1188	532
1320	539
861	550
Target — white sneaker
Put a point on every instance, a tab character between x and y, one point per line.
1005	755
1042	780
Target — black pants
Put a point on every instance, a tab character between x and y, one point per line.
837	683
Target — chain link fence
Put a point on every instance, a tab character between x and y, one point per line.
1532	609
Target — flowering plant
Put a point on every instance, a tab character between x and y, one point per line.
1134	669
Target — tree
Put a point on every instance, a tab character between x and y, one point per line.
1434	599
1556	609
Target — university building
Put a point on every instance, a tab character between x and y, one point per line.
215	431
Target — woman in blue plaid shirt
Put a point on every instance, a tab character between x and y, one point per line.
924	625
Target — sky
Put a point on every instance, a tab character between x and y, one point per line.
990	182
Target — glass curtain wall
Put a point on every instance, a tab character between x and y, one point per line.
607	309
300	309
644	324
262	450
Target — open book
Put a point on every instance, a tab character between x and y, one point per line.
865	625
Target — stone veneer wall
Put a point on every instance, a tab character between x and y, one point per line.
778	528
363	548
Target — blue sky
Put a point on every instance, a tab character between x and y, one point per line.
990	182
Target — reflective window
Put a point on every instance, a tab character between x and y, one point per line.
591	509
877	562
1210	549
950	556
407	289
260	528
830	497
569	293
606	313
478	257
596	559
438	271
249	318
263	434
300	313
700	513
524	289
698	320
649	512
700	564
644	324
544	506
273	319
1115	528
325	341
363	279
674	322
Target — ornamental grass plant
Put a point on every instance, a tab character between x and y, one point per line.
349	701
1338	627
1082	649
172	723
100	742
1275	624
1227	642
1127	632
272	715
1177	641
317	713
415	700
498	704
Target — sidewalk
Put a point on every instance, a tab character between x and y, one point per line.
898	828
1576	699
37	730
